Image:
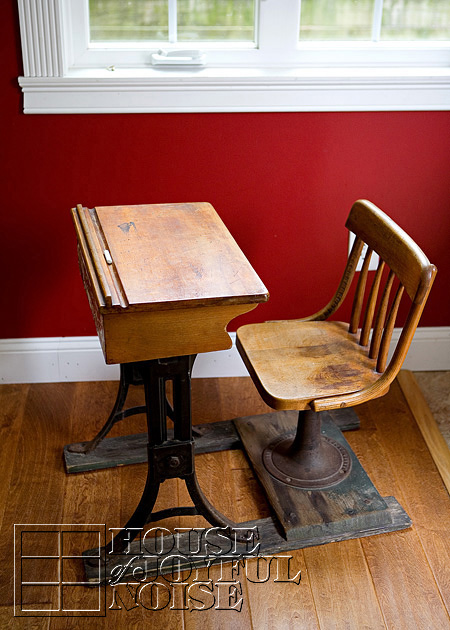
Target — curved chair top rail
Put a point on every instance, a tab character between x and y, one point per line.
393	245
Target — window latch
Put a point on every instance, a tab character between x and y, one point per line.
178	58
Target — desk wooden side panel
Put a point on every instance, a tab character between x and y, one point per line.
149	335
141	336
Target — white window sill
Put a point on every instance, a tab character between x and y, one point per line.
238	90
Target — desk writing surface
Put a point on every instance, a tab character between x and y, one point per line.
162	279
170	255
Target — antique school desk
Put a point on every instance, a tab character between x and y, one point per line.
163	282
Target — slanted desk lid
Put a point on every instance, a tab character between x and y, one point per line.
165	256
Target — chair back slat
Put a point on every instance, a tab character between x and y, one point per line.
359	294
387	335
371	304
381	316
344	285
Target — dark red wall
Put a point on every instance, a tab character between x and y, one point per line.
282	182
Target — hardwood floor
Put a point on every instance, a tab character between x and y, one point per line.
399	580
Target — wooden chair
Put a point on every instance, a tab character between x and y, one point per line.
315	365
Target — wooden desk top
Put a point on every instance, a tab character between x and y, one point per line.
165	256
173	273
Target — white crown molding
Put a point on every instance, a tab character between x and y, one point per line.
59	359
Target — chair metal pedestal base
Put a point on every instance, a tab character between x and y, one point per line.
344	510
308	459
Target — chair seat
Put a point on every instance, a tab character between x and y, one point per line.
295	362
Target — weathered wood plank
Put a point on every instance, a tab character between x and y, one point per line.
275	605
350	506
132	449
271	542
209	437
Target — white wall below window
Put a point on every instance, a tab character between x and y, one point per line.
59	359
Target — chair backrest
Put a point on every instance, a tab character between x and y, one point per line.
403	265
406	262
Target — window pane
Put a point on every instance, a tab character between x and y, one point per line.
216	20
416	19
336	20
198	20
128	20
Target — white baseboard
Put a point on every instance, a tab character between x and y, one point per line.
59	359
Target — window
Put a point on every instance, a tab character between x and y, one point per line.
234	55
375	20
172	20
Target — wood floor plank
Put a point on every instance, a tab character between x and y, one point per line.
210	472
249	500
240	398
94	497
425	496
393	455
8	622
217	472
336	572
273	604
132	484
12	405
36	489
103	496
404	583
88	495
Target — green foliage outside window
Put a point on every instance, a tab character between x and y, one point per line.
233	20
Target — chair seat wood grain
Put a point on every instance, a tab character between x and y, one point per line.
295	362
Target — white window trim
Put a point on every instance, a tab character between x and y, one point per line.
62	76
